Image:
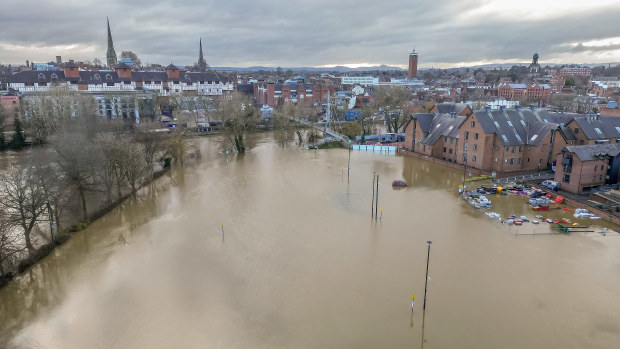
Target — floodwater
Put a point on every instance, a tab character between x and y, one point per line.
300	263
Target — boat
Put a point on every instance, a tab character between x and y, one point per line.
399	183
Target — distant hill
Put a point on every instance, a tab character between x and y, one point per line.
339	69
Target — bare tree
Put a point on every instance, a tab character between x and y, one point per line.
392	102
78	159
238	115
152	142
134	167
10	246
23	199
134	57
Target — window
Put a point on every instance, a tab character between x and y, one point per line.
617	128
157	82
520	160
495	160
576	130
593	178
110	83
473	123
600	178
445	139
466	134
598	130
148	82
465	157
473	158
496	124
523	123
444	149
55	78
108	77
520	148
528	159
566	178
512	161
41	77
475	147
451	140
202	82
581	142
506	160
518	137
127	82
424	147
505	140
510	123
97	77
176	83
450	151
513	149
476	136
595	168
465	146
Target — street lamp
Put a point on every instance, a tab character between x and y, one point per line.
428	254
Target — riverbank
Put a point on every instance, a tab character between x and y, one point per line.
59	238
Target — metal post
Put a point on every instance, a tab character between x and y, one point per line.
377	198
428	255
372	202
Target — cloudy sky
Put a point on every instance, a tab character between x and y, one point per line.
291	33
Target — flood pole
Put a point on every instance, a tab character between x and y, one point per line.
372	201
349	164
428	255
377	198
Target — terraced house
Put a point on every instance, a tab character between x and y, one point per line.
500	141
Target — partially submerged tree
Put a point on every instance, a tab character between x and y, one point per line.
23	199
10	246
18	142
238	115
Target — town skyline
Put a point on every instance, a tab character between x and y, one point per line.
317	34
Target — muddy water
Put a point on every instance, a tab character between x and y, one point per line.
301	264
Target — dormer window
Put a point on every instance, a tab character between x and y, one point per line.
97	77
108	77
41	77
54	77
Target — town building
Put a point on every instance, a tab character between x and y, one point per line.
581	168
592	129
272	93
359	80
575	71
519	91
493	141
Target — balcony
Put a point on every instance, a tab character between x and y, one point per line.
567	161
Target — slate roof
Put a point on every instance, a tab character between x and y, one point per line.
149	76
590	152
599	127
32	76
446	108
424	120
516	126
443	125
98	77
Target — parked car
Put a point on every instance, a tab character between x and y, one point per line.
551	185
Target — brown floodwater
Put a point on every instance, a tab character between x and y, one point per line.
301	264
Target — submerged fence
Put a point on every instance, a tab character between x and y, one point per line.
380	149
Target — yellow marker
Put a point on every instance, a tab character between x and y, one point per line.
413	297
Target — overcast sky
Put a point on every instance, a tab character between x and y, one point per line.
291	33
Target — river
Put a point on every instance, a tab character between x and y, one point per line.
300	263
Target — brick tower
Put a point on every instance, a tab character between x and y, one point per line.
413	65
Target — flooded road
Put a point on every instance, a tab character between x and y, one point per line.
301	264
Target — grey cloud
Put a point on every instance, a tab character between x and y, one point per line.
291	33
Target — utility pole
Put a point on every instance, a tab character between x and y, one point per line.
428	255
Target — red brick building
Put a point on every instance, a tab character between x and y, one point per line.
519	91
583	167
270	93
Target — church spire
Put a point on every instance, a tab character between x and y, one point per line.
111	54
202	63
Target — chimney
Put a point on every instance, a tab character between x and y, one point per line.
58	59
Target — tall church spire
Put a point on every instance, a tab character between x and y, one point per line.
111	54
202	63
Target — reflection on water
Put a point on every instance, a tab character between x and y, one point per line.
303	265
